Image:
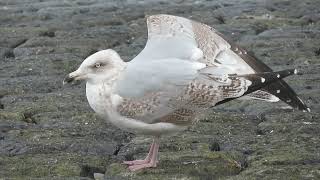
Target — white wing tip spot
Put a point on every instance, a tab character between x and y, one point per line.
263	80
278	75
295	71
278	91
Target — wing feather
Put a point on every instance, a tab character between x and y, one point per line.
218	50
261	95
168	80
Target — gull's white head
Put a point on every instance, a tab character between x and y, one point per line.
98	67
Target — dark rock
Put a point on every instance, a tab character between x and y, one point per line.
48	33
6	53
248	151
260	132
317	52
87	171
214	146
221	19
28	117
116	151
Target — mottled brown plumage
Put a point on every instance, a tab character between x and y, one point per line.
136	108
185	68
209	42
198	96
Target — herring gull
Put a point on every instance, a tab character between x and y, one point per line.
185	68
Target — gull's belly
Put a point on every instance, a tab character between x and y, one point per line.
140	127
103	102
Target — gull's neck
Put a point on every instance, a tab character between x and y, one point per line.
100	94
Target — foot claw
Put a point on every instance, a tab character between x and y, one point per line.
149	161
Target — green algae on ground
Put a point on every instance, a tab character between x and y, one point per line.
11	116
185	163
54	165
27	114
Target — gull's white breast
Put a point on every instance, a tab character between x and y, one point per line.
104	103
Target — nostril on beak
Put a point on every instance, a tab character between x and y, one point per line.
68	79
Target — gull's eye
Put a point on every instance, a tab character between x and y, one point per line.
97	65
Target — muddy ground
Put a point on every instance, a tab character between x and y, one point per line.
48	131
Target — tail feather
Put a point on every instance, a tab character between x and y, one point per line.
263	80
286	94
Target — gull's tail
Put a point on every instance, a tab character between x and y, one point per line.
286	94
261	80
265	79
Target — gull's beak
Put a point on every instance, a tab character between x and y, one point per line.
68	79
76	75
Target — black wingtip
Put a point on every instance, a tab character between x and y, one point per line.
260	80
287	94
271	80
264	79
290	97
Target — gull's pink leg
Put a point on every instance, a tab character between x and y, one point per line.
144	161
153	160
